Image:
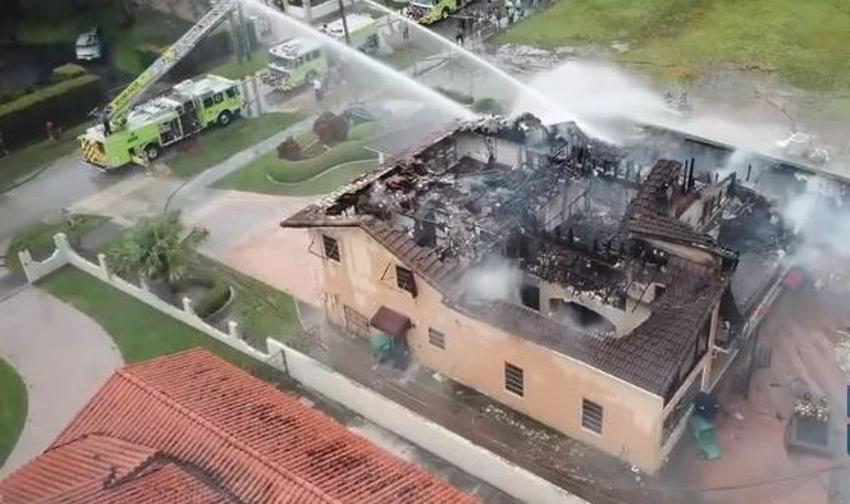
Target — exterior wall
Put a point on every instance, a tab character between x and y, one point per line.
501	473
475	354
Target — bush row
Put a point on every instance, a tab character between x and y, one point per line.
65	103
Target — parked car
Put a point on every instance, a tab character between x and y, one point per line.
89	45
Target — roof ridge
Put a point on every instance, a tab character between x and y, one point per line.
229	438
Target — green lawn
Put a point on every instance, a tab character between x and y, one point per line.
305	176
27	161
806	42
39	238
235	70
218	144
139	331
13	408
261	310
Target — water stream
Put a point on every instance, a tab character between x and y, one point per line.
524	90
350	55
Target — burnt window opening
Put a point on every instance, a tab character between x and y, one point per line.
591	416
404	280
575	315
659	291
530	296
514	379
436	338
331	248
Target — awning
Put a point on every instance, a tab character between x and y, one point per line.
390	322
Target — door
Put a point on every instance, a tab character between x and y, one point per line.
189	120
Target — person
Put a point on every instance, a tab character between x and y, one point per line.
460	29
3	150
405	32
317	89
51	130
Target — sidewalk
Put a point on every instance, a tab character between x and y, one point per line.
63	358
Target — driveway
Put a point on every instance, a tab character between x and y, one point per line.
245	234
62	356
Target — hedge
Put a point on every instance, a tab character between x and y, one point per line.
65	103
212	48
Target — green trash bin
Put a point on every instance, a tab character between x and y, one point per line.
706	437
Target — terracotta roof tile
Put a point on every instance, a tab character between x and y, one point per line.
254	442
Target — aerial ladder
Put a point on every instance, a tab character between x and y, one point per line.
114	116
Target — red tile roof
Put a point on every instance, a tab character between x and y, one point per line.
192	421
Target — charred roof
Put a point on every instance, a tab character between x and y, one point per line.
563	208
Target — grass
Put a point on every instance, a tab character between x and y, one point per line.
139	331
261	310
806	43
232	69
38	239
324	183
24	162
218	144
13	408
405	57
306	176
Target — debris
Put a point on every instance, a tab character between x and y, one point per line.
737	416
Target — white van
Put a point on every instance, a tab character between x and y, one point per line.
89	46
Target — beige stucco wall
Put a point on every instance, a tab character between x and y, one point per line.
475	354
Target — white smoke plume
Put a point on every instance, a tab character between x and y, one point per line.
495	279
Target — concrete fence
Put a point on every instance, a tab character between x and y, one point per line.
457	450
65	255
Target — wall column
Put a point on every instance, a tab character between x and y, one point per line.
712	333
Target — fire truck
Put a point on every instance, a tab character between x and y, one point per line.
137	133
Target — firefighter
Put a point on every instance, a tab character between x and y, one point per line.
3	150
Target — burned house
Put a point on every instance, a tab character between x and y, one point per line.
548	271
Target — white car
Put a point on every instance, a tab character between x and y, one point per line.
89	46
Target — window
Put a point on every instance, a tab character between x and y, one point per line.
513	379
591	416
437	338
208	102
331	248
530	296
404	279
218	97
231	92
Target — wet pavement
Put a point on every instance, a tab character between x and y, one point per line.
756	465
67	180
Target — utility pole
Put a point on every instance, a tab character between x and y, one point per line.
344	22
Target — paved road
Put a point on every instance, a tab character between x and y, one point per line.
67	180
63	357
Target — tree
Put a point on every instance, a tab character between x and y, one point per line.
331	128
290	150
157	249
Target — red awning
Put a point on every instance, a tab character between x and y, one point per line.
390	322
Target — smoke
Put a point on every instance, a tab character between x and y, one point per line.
593	92
821	221
736	163
495	279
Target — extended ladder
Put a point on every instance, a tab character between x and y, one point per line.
119	108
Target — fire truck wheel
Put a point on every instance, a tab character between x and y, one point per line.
224	118
152	151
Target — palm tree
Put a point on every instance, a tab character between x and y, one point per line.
156	249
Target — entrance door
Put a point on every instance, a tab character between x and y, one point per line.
189	120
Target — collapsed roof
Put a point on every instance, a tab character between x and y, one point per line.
563	209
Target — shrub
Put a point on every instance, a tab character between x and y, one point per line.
65	103
330	128
216	298
67	71
488	106
290	150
